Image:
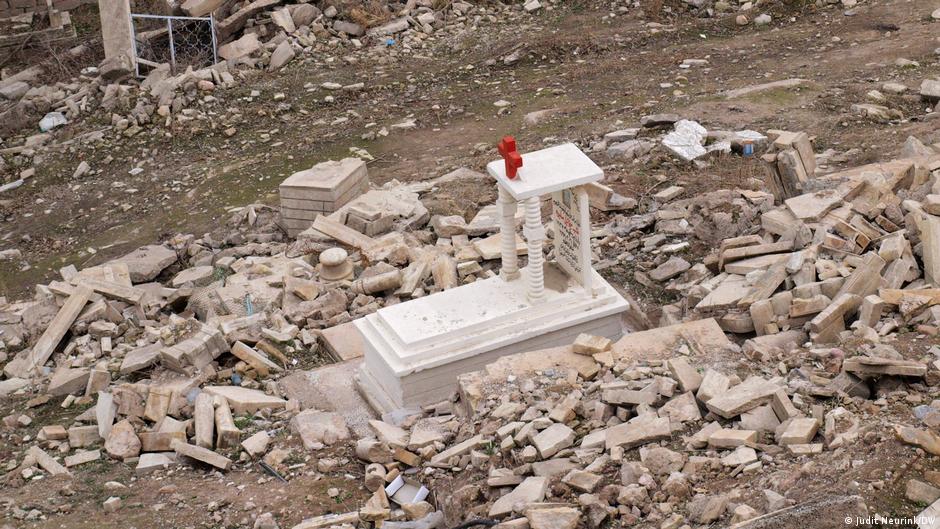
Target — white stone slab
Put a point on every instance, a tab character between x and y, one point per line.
386	392
571	218
547	171
415	350
420	329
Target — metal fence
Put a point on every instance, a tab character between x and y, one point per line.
178	41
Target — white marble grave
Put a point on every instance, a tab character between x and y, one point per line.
415	350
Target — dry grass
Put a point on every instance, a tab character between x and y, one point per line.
366	13
58	64
150	7
653	9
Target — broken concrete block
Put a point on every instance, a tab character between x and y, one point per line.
741	398
319	428
589	344
850	384
389	433
257	444
82	436
53	432
141	358
581	480
925	439
329	520
202	454
661	461
68	381
726	438
244	400
158	402
46	461
707	509
374	451
551	517
282	54
227	435
799	431
920	492
145	263
197	276
742	455
637	432
242	47
442	460
123	443
98	380
531	490
783	406
805	449
448	226
870	311
159	441
105	410
553	439
149	462
257	360
670	269
82	457
204	420
12	385
713	384
668	194
930	90
760	419
689	379
621	397
866	366
680	409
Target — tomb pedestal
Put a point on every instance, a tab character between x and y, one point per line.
320	190
415	350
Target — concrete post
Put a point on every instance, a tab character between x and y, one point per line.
116	32
534	235
507	231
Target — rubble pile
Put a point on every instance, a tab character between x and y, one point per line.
630	432
681	139
173	351
853	254
266	35
187	101
146	372
182	353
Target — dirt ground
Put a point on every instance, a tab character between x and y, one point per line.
599	74
189	498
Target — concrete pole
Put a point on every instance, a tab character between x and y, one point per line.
507	230
116	32
534	235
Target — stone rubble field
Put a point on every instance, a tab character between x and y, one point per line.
781	366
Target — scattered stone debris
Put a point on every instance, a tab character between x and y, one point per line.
837	258
182	354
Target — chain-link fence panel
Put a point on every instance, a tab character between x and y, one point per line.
180	42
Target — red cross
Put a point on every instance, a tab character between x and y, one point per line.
507	148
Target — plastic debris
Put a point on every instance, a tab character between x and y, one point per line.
51	121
